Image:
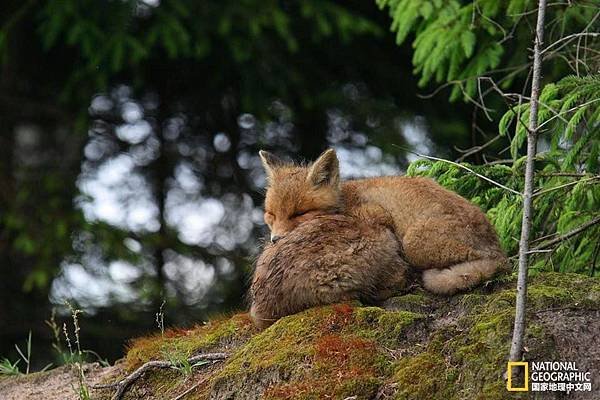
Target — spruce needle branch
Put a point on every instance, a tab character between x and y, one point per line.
568	235
485	178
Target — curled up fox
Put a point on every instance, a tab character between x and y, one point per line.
439	233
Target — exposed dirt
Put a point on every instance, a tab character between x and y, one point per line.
58	384
575	335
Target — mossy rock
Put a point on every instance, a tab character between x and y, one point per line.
417	346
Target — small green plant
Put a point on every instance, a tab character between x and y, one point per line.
26	358
103	361
160	318
177	358
180	362
76	354
9	368
64	356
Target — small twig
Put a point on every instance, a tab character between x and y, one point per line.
533	11
595	259
556	309
124	383
559	115
501	161
568	235
482	101
521	97
536	251
566	174
570	37
191	389
541	239
485	178
476	149
541	192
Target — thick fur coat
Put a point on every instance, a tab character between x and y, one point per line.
325	260
443	235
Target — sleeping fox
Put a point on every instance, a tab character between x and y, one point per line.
440	232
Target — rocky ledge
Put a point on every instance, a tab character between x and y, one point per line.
415	346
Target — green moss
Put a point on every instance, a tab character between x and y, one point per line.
346	350
180	344
490	324
460	362
341	366
578	286
478	342
415	302
362	388
286	340
535	331
424	376
546	296
329	351
387	327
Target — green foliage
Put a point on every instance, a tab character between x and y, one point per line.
12	369
569	118
9	368
26	358
123	35
181	363
457	42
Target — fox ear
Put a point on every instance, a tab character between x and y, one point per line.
326	170
270	162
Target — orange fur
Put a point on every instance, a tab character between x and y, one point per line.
440	232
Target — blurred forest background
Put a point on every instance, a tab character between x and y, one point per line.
129	133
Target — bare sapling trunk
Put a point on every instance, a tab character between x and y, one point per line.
519	327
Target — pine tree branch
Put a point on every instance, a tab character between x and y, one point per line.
568	235
541	192
559	115
485	178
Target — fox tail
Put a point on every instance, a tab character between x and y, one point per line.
462	276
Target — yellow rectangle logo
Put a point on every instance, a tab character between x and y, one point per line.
509	368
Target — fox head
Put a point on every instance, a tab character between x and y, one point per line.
298	193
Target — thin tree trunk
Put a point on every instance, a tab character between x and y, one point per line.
161	171
516	349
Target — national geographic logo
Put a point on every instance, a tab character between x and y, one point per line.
509	369
549	376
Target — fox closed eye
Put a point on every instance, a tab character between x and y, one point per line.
299	213
269	218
